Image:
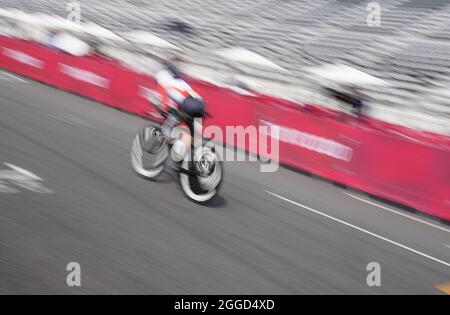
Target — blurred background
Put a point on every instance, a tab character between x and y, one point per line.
403	42
286	232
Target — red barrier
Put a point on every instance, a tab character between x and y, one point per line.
407	171
31	60
386	160
88	76
227	109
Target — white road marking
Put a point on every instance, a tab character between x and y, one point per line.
17	173
4	78
16	78
360	229
398	213
22	178
448	246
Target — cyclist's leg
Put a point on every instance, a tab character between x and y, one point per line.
171	121
167	126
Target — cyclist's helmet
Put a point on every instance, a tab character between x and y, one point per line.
194	107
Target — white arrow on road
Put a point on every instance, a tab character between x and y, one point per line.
22	178
17	173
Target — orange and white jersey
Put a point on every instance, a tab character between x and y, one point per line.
173	90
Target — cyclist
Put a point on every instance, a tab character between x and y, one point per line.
178	99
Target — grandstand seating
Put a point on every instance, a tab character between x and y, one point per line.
410	49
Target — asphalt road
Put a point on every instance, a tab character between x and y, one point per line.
269	233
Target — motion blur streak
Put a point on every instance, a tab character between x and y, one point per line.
134	236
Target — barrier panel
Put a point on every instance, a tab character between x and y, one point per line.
386	160
88	76
227	108
408	170
28	59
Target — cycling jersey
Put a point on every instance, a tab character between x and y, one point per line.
173	90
